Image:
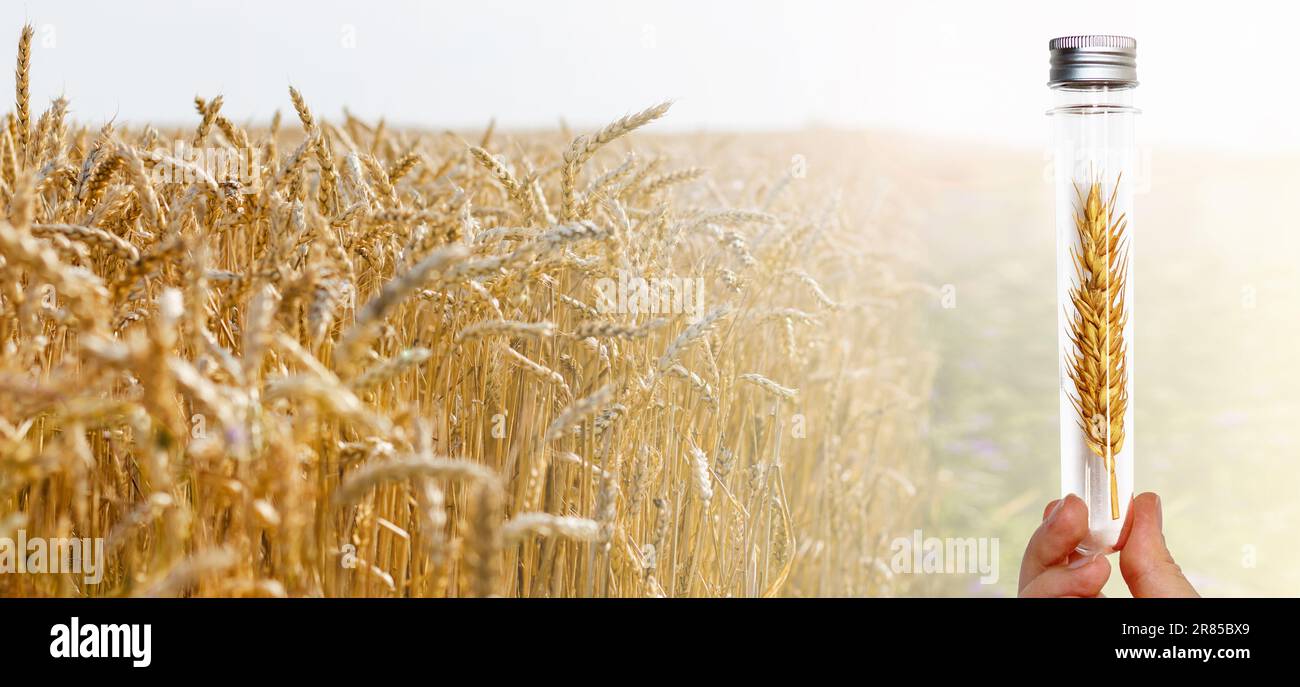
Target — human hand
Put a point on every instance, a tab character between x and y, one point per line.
1051	566
1144	559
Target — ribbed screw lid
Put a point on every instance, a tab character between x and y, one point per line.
1094	60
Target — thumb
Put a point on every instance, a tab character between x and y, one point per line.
1145	561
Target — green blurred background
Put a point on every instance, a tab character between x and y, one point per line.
1217	382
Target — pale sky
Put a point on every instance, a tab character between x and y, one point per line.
1220	75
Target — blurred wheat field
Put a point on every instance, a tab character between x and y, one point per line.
377	362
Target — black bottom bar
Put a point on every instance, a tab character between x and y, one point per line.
212	637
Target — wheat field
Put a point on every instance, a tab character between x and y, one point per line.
357	360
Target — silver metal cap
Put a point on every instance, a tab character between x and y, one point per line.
1093	61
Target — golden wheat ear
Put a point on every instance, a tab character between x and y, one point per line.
1098	367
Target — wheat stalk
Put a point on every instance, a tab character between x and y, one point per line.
22	94
782	392
1098	365
547	525
584	147
487	328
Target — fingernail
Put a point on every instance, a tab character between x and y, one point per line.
1160	514
1083	562
1055	510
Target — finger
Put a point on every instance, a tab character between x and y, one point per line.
1085	577
1145	561
1059	534
1128	527
1051	505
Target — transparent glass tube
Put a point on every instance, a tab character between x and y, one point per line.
1095	160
